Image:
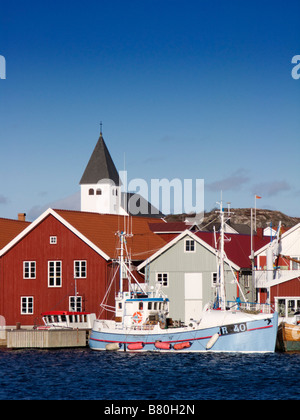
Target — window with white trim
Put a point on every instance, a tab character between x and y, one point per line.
163	279
79	269
27	305
75	303
29	269
53	240
54	273
189	245
287	306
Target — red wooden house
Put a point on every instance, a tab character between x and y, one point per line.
64	261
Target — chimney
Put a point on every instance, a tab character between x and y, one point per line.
22	217
260	232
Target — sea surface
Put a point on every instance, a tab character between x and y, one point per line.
83	374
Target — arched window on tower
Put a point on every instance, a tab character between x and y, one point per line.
91	191
99	191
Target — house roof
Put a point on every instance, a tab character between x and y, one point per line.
237	247
9	229
182	235
168	227
136	205
100	166
99	232
285	232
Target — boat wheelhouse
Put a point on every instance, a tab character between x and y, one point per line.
141	310
67	320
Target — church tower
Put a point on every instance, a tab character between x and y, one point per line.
100	183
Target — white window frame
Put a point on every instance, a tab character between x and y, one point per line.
27	305
187	246
30	270
75	303
162	278
81	271
57	276
287	314
53	240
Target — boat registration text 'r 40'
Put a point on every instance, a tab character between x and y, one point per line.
233	329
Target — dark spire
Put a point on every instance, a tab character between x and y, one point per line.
101	165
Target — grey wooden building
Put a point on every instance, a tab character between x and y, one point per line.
186	269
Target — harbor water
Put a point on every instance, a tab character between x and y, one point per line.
82	374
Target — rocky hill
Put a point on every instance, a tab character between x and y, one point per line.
243	217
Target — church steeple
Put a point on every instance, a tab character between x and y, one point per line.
100	165
100	182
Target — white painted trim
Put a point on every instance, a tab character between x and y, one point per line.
177	239
46	213
288	232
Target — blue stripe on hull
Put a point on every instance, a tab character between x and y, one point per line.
259	337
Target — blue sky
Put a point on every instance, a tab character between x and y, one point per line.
185	89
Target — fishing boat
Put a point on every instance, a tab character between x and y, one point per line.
288	339
142	324
67	320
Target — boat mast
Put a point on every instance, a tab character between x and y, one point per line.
222	258
121	261
221	295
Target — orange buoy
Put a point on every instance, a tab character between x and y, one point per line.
162	346
183	345
135	346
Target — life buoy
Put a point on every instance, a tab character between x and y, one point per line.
137	317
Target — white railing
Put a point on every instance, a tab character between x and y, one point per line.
251	307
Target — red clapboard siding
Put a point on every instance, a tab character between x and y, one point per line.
36	247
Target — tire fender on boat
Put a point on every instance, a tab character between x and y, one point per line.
212	341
